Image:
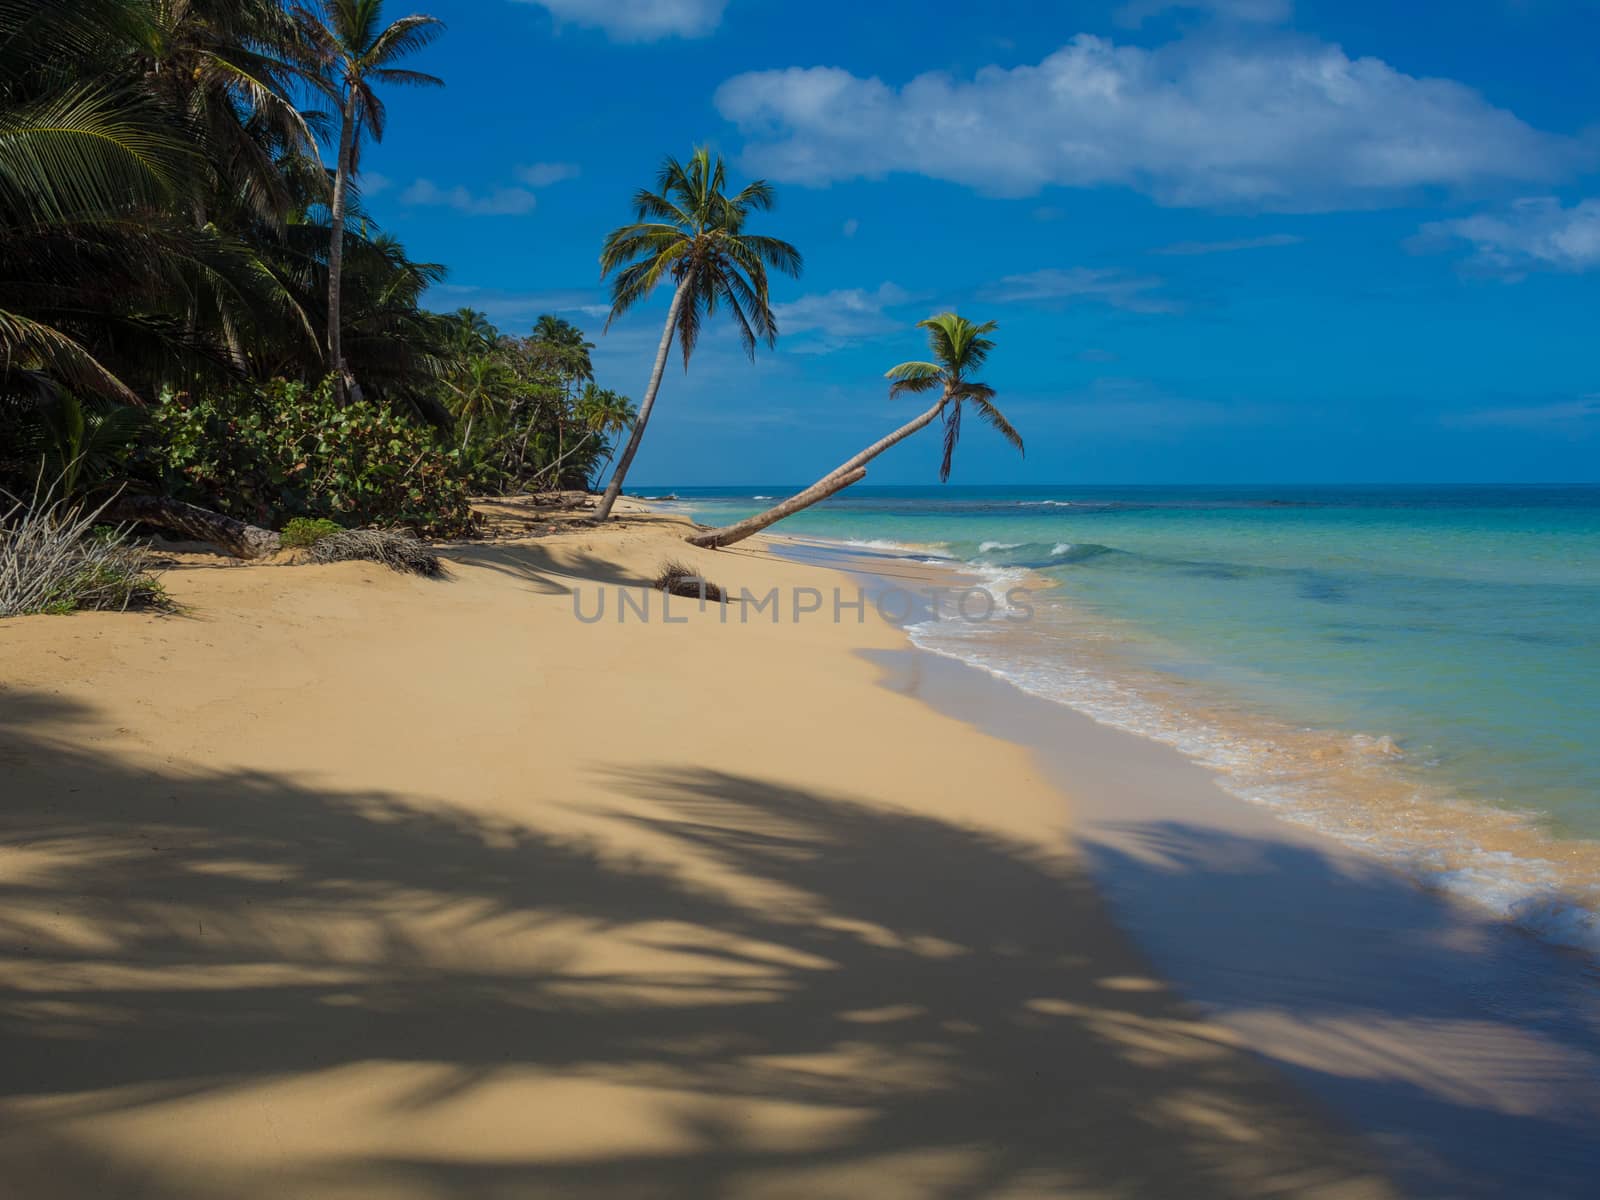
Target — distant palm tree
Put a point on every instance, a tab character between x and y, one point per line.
567	347
959	348
605	413
470	332
560	346
352	50
690	230
479	389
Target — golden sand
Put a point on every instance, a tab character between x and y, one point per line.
348	884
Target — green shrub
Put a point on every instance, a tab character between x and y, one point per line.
308	531
272	452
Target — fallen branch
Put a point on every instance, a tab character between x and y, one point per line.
238	538
397	549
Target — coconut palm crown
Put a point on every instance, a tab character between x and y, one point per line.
959	348
690	231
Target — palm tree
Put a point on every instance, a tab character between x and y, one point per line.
690	229
229	67
562	345
479	389
606	413
959	348
471	332
85	163
352	50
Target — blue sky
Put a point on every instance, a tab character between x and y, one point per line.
1226	241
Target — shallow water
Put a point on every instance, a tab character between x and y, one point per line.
1411	669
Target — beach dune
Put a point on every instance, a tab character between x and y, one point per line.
347	884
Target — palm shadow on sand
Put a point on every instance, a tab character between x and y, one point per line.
921	990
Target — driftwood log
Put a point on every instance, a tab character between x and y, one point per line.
238	538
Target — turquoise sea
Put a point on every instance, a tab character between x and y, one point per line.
1413	669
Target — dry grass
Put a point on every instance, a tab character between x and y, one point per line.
398	549
680	579
54	560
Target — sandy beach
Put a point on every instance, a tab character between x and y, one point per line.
344	883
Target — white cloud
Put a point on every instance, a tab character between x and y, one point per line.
543	174
851	227
1255	243
1534	234
640	20
839	316
1134	293
1288	124
372	182
499	203
1137	12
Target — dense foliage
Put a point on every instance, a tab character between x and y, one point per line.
167	259
270	453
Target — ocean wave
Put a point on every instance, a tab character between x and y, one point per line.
761	497
1073	552
1042	554
898	547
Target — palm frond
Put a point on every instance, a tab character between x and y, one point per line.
952	435
913	377
995	418
405	36
399	78
89	149
26	343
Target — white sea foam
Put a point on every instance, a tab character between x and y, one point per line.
1045	503
901	547
761	497
989	547
1062	548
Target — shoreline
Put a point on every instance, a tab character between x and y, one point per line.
1355	788
1463	1048
345	883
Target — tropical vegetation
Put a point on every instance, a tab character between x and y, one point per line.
197	310
204	329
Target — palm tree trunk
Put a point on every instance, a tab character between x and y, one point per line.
614	488
852	470
341	187
238	538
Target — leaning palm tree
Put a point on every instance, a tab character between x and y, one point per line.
352	50
691	231
959	348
